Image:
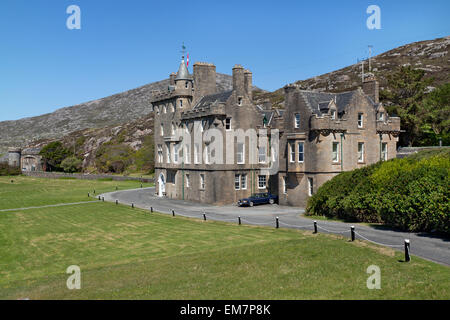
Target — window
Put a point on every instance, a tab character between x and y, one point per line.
171	176
186	84
297	120
262	182
186	128
173	129
284	185
292	152
333	114
384	151
243	181
360	151
168	152
207	154
310	186
237	182
335	155
162	129
228	124
160	153
187	153
300	152
172	108
165	109
188	183
196	153
176	150
240	101
202	181
181	103
360	120
262	154
203	125
240	153
381	116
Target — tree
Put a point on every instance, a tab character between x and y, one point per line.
405	93
71	164
436	114
53	154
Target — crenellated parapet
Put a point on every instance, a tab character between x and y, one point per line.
211	110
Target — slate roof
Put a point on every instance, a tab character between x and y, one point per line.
183	73
213	98
318	101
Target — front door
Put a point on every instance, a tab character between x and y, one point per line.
162	185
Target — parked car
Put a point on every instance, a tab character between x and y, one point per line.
258	198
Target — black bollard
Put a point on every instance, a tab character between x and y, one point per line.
173	213
103	199
352	230
239	220
407	256
315	226
88	195
204	216
277	225
94	191
99	198
117	201
132	205
151	209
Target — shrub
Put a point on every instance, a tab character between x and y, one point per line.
71	164
53	154
7	170
411	194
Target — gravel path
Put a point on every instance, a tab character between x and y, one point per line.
424	245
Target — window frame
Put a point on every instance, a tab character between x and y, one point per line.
361	156
335	143
360	126
240	153
259	181
297	121
301	153
310	186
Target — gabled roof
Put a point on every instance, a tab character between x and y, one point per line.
319	101
183	72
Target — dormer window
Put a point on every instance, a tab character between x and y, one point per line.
381	116
228	124
181	103
297	120
239	101
333	114
360	120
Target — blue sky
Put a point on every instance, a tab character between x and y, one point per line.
125	44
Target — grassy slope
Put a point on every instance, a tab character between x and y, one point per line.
130	253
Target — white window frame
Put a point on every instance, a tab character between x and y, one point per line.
262	183
162	130
160	153
197	153
228	124
360	120
187	153
301	153
291	152
176	154
240	154
334	158
243	181
262	156
384	151
361	152
297	119
237	182
333	114
168	152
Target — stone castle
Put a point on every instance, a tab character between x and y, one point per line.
316	136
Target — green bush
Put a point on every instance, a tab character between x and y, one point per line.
7	170
71	164
53	154
411	194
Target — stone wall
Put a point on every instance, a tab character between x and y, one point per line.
57	175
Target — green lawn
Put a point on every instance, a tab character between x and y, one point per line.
31	192
127	253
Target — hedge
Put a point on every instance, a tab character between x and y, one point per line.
411	194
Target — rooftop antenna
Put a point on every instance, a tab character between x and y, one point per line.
370	55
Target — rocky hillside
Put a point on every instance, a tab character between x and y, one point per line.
431	56
113	110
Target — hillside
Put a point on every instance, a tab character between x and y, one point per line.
430	56
113	110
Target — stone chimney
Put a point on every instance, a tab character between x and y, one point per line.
238	80
372	88
172	79
204	80
248	83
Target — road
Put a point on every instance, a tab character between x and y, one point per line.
424	245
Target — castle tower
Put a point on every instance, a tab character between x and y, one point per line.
14	155
204	80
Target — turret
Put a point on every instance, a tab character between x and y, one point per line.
14	155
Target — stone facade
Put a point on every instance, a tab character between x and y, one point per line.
27	159
320	135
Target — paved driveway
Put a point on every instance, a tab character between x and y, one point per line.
424	245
